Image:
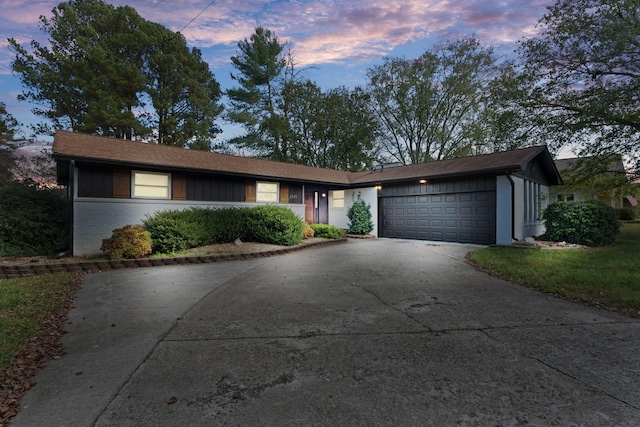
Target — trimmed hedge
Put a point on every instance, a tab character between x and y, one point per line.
275	225
589	223
178	230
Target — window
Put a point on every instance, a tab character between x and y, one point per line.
337	198
267	192
151	185
566	197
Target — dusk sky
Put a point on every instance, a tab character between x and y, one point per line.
336	40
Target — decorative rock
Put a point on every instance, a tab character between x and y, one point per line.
237	242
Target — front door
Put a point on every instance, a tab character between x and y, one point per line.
316	205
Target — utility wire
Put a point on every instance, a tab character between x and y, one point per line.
196	17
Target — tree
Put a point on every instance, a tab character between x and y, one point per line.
428	107
261	63
183	92
8	129
101	70
581	75
334	129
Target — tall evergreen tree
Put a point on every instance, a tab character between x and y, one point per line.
261	63
8	129
101	71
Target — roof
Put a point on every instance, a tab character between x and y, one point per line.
81	147
495	163
78	146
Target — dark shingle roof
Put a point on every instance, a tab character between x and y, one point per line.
506	161
76	146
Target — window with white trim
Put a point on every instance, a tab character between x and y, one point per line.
267	192
151	185
337	199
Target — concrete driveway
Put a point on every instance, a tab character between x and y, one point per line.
377	332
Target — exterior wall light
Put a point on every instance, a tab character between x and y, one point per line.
423	181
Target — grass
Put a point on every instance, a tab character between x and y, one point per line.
605	276
25	305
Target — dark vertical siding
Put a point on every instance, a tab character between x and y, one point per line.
204	188
95	181
295	193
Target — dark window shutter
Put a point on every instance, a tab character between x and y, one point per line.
122	183
179	187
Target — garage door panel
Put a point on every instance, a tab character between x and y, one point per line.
456	217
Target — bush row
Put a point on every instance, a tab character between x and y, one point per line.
174	231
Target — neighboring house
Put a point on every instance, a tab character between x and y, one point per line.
587	179
488	199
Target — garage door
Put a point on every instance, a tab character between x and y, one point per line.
456	217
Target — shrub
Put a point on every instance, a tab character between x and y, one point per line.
228	224
130	241
359	215
274	224
307	231
33	221
173	231
589	223
627	214
327	231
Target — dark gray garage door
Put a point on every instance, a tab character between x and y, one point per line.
455	217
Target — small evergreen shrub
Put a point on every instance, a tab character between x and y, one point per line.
589	223
33	221
307	231
173	231
627	214
130	241
359	215
274	224
327	231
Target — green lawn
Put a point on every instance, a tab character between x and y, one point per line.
26	304
608	275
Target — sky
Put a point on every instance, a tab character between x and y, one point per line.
334	41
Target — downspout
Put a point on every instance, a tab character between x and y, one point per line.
513	207
71	196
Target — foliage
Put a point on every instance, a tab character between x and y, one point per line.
429	108
25	305
602	176
627	214
130	241
589	223
104	63
307	231
33	221
335	129
172	231
605	276
581	73
327	231
8	129
274	224
359	215
261	65
177	230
